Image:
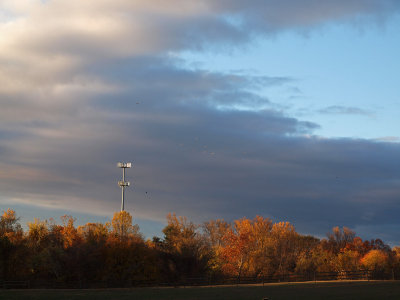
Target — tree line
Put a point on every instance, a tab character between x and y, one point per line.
116	252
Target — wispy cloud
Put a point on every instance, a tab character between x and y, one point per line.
345	110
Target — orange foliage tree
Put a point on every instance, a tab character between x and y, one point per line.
376	261
245	247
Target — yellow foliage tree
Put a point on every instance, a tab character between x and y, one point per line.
38	231
69	232
284	239
122	227
375	260
9	226
94	232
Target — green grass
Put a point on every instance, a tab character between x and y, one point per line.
321	290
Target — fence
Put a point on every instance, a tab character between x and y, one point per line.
194	281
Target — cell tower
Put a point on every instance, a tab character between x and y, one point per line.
123	183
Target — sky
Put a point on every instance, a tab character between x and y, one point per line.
227	109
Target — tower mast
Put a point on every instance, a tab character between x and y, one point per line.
122	183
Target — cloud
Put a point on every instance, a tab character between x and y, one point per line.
59	35
388	139
345	110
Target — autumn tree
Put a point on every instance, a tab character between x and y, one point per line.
214	232
127	256
395	262
238	245
184	249
309	257
122	227
69	231
284	239
12	246
38	232
377	262
358	245
246	245
94	233
339	239
345	261
93	250
10	226
38	241
260	259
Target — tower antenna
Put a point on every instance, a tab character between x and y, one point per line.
122	183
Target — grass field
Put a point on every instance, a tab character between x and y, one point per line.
319	290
